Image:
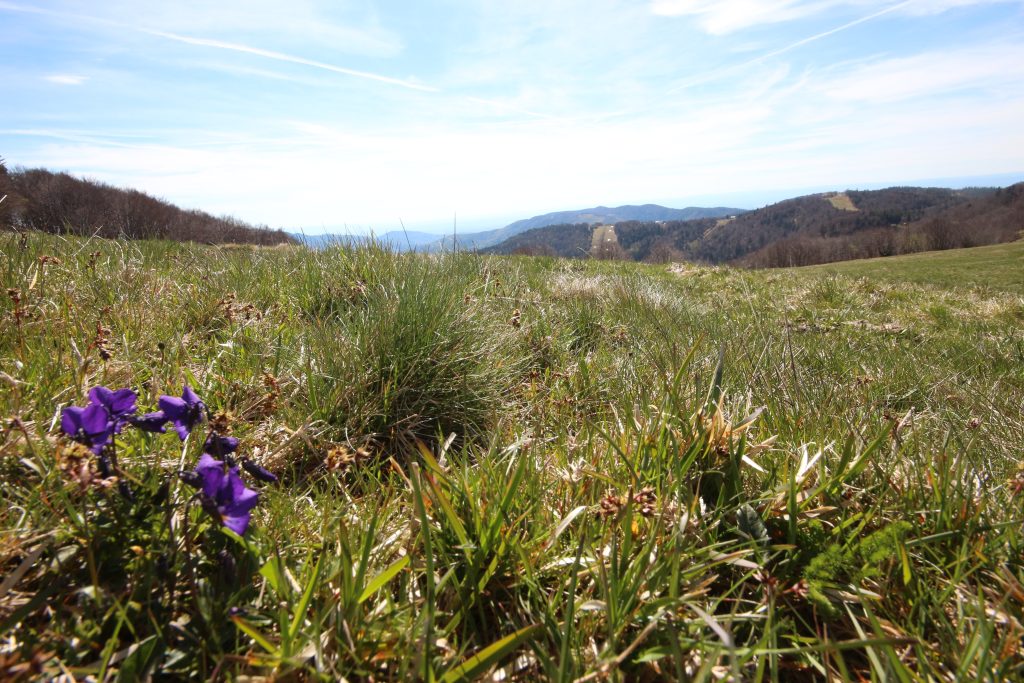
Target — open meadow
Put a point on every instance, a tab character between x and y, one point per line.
507	468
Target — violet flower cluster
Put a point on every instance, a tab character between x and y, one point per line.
222	492
95	424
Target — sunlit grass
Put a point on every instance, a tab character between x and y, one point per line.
999	267
530	468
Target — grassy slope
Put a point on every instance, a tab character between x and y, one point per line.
999	266
575	387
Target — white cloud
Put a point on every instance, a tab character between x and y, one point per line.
937	6
741	66
66	79
720	17
295	23
998	68
539	105
323	174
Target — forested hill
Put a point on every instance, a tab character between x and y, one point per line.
568	240
37	199
902	221
815	228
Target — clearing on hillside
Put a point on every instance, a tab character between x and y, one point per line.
841	201
603	235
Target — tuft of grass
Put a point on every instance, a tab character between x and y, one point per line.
416	354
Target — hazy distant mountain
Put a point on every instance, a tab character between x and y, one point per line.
400	241
424	241
629	212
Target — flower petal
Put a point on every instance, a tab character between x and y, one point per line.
235	512
182	429
220	445
259	472
173	407
151	422
100	396
237	523
96	421
232	488
190	397
242	503
71	420
212	473
122	402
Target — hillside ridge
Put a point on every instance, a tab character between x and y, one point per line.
815	228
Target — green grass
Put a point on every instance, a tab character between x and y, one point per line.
999	266
548	469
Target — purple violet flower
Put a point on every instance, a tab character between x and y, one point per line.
185	412
224	493
151	422
90	426
258	472
220	445
120	404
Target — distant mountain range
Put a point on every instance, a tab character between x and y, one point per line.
400	241
601	215
818	228
421	241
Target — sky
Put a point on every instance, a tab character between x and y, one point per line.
356	115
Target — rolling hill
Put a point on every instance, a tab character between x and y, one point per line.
997	267
818	228
38	199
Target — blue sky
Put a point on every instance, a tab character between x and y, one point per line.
334	114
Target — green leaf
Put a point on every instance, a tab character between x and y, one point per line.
564	524
381	579
138	663
307	595
253	633
474	666
271	571
449	513
653	654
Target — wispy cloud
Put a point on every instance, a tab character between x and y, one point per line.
221	44
719	73
66	79
297	22
998	67
293	59
720	17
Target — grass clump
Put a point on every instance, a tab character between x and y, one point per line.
421	355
